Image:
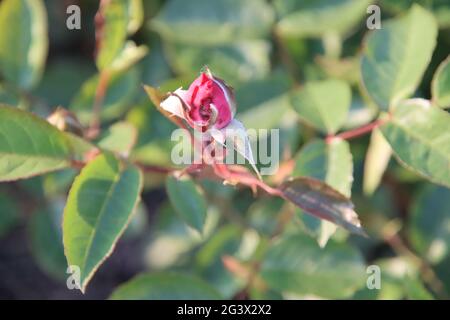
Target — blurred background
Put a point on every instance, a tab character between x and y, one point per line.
407	218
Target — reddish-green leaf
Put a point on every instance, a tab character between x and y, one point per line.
320	200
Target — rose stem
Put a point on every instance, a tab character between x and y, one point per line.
354	133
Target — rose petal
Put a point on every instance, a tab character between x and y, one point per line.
173	103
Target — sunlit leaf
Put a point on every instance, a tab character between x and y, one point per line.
119	18
396	56
130	55
99	207
30	145
120	137
113	31
23	41
135	15
441	85
376	162
418	133
323	104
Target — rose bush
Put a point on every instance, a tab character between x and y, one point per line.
360	119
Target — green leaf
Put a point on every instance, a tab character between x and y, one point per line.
188	200
163	286
266	109
120	138
236	62
261	215
209	263
415	289
440	86
57	183
331	163
23	41
120	19
323	104
322	201
205	22
122	87
430	223
129	56
297	265
267	115
418	135
30	145
154	147
396	56
172	236
44	231
440	8
345	69
315	18
135	15
376	162
99	207
113	31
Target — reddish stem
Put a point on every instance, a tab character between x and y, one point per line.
245	178
98	102
76	164
354	133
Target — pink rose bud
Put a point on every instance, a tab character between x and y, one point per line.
211	102
208	103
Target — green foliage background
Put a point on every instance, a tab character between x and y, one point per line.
310	68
